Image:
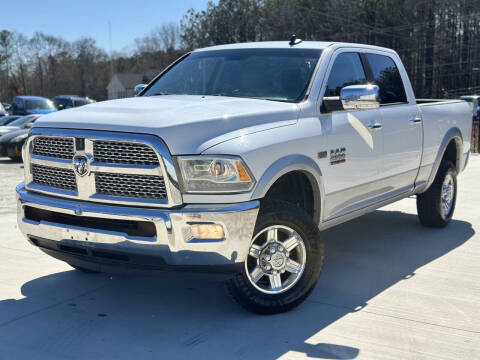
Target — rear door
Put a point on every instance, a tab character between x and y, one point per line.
353	159
402	125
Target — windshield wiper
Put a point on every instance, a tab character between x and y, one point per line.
158	94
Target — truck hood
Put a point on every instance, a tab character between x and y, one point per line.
188	124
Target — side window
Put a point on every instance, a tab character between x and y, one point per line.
387	77
346	70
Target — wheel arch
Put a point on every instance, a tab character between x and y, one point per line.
293	164
450	149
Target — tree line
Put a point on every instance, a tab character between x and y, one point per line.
438	40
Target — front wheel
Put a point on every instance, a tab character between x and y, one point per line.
435	207
284	262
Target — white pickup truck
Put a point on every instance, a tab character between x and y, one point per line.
234	159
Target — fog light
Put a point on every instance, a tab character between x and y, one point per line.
207	231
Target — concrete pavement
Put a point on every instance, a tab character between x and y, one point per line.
391	289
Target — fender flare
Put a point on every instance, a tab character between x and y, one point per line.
452	134
288	164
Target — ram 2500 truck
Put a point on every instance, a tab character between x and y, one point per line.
234	159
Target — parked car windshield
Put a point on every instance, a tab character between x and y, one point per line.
269	74
23	120
39	104
62	101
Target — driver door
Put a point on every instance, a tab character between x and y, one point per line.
355	143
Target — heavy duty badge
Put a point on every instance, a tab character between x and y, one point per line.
337	156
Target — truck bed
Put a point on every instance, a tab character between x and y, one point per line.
439	117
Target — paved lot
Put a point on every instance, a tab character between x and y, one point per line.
390	290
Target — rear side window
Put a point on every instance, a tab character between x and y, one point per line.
387	77
346	70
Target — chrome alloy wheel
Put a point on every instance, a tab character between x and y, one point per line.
276	259
448	194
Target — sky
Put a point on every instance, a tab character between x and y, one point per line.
73	19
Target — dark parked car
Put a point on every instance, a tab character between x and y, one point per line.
475	100
12	142
29	105
62	102
3	112
24	122
5	120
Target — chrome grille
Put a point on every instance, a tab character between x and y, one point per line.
54	177
116	152
123	168
129	185
55	147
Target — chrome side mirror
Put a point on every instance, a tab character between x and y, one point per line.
360	97
138	89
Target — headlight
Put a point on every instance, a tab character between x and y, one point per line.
214	174
19	138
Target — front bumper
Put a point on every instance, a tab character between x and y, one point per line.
107	238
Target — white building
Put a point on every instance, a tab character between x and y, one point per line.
122	85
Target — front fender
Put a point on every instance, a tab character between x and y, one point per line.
284	165
275	152
295	162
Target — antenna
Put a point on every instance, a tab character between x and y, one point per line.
294	40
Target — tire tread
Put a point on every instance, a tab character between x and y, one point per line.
247	296
428	204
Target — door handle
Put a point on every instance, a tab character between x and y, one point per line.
376	126
415	120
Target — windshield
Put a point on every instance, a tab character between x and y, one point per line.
39	104
62	101
269	74
23	120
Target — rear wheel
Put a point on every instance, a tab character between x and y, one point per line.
284	262
436	206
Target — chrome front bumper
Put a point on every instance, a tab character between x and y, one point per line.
173	243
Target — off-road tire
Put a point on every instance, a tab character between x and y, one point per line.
429	204
282	213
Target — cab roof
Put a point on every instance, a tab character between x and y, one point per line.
25	97
321	45
72	97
